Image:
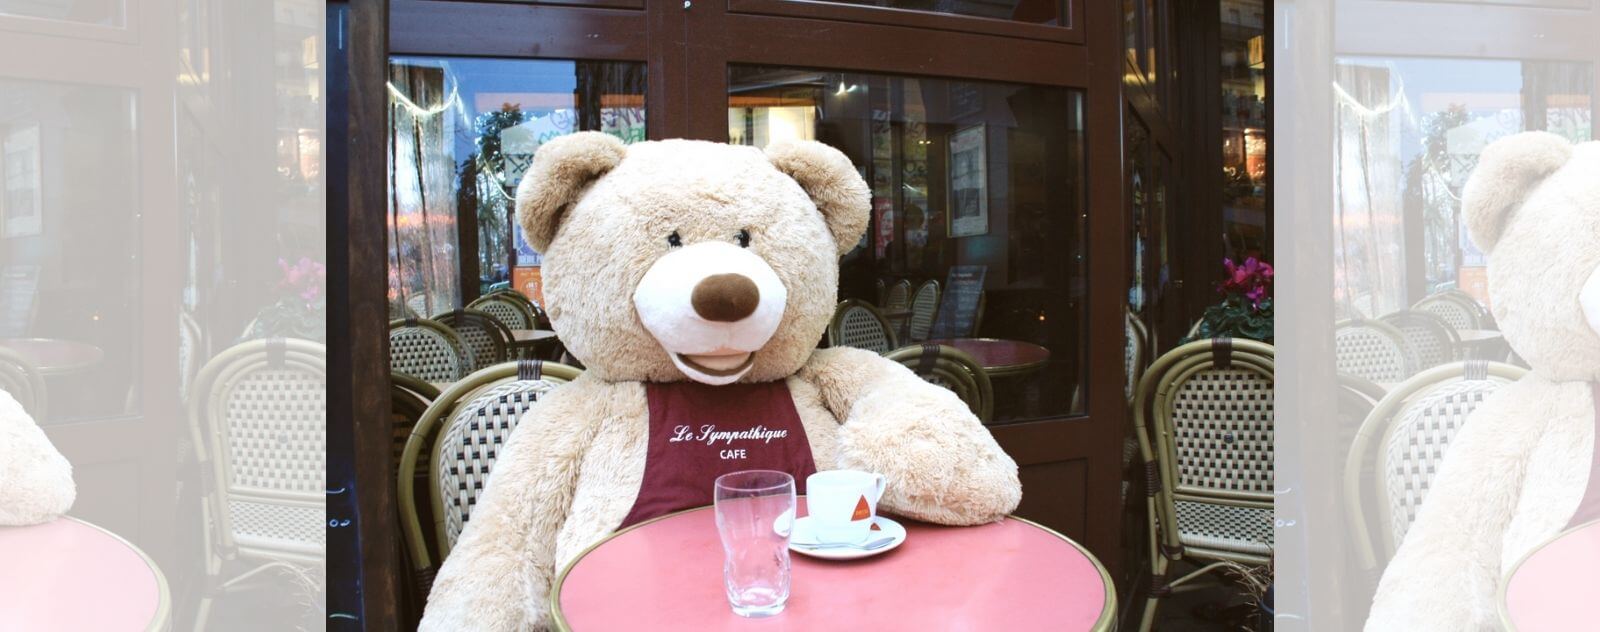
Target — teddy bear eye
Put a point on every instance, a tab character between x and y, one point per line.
674	240
743	238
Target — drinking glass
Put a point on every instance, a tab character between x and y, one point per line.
755	515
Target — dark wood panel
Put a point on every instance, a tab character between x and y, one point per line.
610	4
918	19
431	27
1055	494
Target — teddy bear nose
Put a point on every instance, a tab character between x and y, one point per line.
725	298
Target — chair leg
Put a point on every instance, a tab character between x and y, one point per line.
202	614
1149	619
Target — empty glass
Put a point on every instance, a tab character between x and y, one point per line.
755	514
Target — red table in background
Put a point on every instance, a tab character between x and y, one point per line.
69	575
55	357
1000	358
666	574
1553	588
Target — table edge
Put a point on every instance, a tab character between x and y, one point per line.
1505	581
1105	623
158	619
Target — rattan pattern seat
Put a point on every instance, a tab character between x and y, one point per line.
1372	350
858	324
1225	528
898	296
483	334
427	350
953	369
1454	308
1432	341
458	438
924	306
509	311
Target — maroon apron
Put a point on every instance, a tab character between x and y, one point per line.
1589	507
699	432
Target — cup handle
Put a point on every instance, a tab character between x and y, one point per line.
879	485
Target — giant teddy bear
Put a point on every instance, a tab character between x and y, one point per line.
693	280
35	481
1525	467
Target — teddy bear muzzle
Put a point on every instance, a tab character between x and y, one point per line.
711	306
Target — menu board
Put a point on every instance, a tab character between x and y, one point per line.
958	307
19	285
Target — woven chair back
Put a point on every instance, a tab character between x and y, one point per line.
1454	309
899	295
952	369
1372	350
487	338
23	381
1417	421
924	306
1209	405
427	350
259	431
456	441
858	324
1138	339
509	311
1430	340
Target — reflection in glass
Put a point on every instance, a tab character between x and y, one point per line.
1243	76
462	131
69	283
1409	133
1033	11
97	12
976	186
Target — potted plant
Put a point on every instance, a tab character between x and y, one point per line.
1246	307
301	308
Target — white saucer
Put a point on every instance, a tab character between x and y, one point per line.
885	527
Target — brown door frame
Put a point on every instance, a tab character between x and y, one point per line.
691	44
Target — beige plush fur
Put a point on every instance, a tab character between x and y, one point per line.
35	481
601	213
1514	476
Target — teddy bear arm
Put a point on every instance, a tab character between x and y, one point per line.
943	466
1446	572
35	480
499	573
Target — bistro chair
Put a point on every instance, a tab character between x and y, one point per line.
426	305
1432	341
486	336
1138	339
427	350
258	418
883	290
23	381
409	397
924	305
191	351
1455	308
509	311
1372	350
858	324
953	369
472	420
1403	442
899	296
1204	420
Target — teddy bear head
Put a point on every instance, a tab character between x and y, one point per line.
678	259
1533	204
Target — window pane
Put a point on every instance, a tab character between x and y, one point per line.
976	186
462	131
69	282
97	12
1244	122
1033	11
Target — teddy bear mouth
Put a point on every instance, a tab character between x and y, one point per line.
718	365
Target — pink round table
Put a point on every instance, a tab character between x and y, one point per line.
1000	358
1553	588
70	575
666	574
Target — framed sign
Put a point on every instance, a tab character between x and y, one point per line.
958	306
968	209
21	186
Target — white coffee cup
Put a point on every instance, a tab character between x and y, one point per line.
842	504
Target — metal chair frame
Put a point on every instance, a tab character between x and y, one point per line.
954	369
488	338
924	310
1133	352
451	408
836	331
1157	396
213	435
1381	427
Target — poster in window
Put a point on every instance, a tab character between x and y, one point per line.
21	190
969	183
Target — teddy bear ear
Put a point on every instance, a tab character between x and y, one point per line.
561	170
832	182
1508	171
